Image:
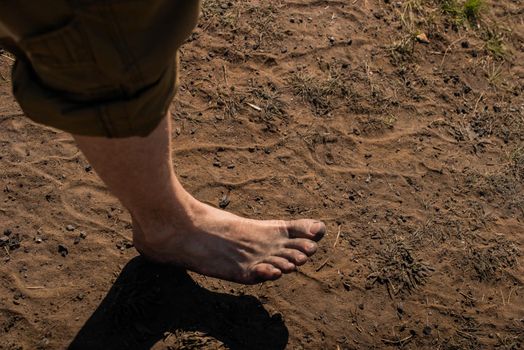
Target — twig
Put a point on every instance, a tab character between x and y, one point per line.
509	296
449	48
399	341
477	103
225	74
465	334
322	265
9	58
255	107
338	236
36	287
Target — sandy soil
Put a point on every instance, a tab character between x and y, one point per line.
412	152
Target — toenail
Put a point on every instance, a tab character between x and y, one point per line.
318	229
311	247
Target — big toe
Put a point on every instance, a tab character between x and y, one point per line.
264	272
311	229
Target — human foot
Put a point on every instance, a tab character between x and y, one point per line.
219	244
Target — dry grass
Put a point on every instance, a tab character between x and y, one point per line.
268	98
516	159
398	270
264	25
221	14
488	262
319	93
229	100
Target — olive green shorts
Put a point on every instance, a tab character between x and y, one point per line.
96	67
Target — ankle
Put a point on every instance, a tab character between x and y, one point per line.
154	226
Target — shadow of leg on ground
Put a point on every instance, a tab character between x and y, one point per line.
150	303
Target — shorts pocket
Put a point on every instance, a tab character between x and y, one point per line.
63	60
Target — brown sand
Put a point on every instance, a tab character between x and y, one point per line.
412	152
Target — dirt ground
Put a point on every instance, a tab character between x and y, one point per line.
398	123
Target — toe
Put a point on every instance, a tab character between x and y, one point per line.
309	229
294	256
282	263
306	246
264	272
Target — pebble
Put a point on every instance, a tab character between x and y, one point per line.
224	201
4	240
62	249
7	232
123	245
70	228
83	235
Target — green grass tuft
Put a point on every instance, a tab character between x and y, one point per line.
472	8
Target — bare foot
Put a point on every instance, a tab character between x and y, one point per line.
219	244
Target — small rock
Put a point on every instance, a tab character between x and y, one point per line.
427	330
400	309
70	228
38	240
422	38
124	244
88	168
7	232
14	242
83	235
77	240
224	201
62	249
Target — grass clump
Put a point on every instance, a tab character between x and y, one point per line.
489	261
494	43
319	93
517	163
469	11
472	8
399	271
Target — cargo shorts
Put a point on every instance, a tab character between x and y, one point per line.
96	67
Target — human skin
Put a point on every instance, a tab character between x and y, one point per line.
171	226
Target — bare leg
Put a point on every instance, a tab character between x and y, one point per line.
172	226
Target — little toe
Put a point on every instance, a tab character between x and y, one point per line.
305	228
294	256
264	272
306	246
